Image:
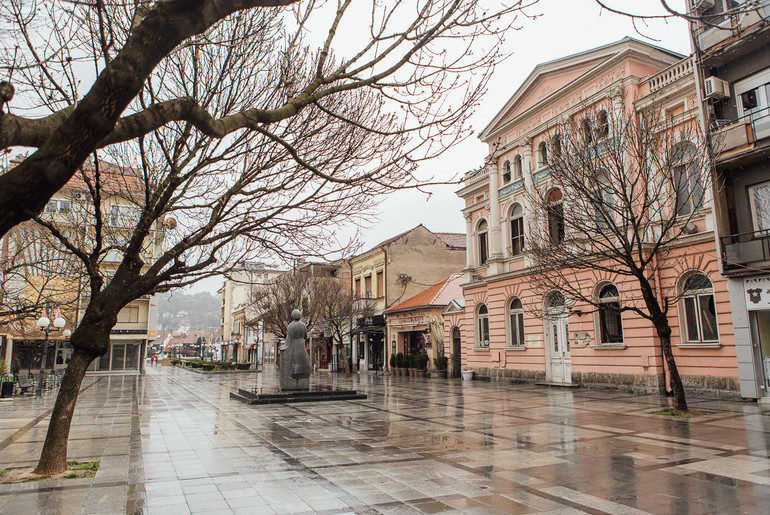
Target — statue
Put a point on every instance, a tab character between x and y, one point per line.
294	372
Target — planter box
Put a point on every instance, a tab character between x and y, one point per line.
467	375
441	374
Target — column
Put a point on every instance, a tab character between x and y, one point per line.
530	212
495	262
468	247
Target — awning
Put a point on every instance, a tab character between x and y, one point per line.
379	329
251	346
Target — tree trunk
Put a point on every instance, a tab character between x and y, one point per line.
662	327
53	459
664	333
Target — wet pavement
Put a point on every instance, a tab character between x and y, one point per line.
172	441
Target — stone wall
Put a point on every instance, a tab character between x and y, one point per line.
639	383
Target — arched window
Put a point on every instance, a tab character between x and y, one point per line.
610	322
688	189
542	154
515	316
483	239
517	230
555	217
602	125
588	133
507	172
556	146
699	315
482	326
518	168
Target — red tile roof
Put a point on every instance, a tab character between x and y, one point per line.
438	295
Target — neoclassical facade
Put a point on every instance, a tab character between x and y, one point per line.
510	330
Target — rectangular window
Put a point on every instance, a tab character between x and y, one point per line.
51	206
129	314
691	316
517	236
759	198
358	288
380	284
482	248
517	329
368	286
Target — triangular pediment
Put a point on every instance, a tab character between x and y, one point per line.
551	78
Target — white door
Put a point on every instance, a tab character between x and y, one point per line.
557	329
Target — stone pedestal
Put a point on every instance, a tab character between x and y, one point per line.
286	381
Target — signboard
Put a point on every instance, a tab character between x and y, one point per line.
757	291
153	334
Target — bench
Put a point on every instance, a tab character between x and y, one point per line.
25	386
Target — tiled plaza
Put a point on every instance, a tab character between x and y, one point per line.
172	441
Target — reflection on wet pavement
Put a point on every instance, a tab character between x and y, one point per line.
172	441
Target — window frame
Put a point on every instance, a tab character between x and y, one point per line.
518	167
516	219
688	178
482	241
542	154
755	219
696	295
514	323
482	326
602	311
507	172
555	218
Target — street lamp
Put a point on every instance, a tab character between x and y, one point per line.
44	324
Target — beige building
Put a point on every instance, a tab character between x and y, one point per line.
47	276
391	272
240	341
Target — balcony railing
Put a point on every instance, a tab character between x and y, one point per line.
743	132
475	176
671	74
744	251
721	27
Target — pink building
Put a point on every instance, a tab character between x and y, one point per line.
512	330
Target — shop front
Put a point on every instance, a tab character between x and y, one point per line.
369	343
411	331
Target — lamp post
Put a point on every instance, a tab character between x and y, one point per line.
44	324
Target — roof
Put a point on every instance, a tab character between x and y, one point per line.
113	178
438	295
454	240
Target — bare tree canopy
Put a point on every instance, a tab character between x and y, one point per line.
216	132
621	198
412	56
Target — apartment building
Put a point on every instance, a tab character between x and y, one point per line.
731	43
49	276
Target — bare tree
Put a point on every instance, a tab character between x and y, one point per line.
338	310
621	198
233	135
412	56
274	301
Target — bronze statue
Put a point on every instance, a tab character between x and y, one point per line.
295	362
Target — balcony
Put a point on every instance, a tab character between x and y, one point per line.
746	252
741	135
722	29
671	74
475	176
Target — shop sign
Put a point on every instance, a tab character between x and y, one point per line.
757	290
417	320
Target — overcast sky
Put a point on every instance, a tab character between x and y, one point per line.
565	27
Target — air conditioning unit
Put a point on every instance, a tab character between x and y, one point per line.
702	5
714	87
